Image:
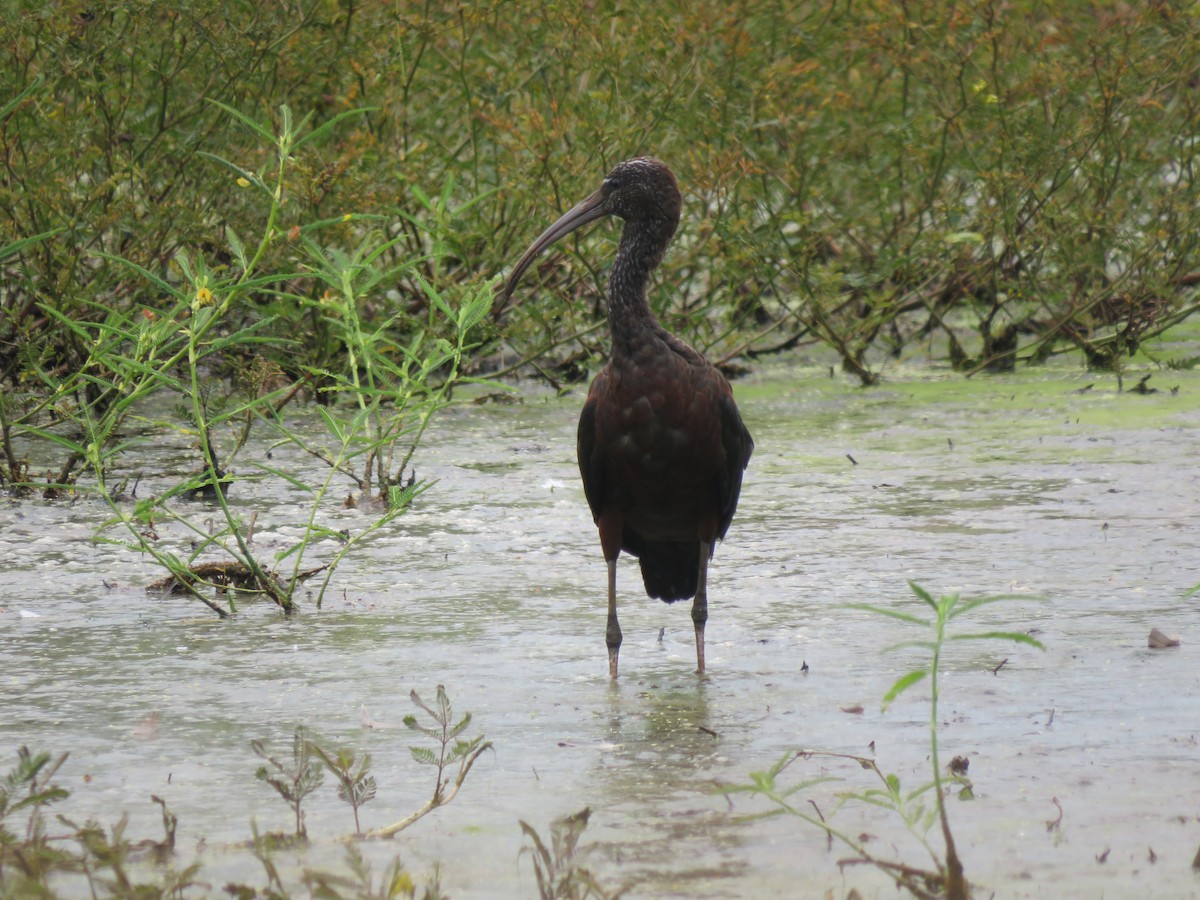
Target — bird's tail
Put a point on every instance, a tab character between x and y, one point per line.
670	569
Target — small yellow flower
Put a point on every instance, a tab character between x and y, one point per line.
204	296
992	98
979	85
346	217
243	182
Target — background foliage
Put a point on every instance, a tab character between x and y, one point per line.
987	182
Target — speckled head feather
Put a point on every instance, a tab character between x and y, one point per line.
643	188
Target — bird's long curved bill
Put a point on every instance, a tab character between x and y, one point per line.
577	216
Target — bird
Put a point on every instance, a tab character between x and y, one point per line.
661	444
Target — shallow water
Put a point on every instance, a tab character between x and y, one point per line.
1084	503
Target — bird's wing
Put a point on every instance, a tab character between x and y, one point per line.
738	445
591	466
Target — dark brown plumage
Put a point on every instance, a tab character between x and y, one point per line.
661	444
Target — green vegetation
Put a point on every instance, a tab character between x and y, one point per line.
918	808
990	183
557	867
356	784
452	749
36	863
295	782
376	402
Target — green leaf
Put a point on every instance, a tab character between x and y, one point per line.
286	475
423	755
1017	637
966	606
923	595
461	726
251	177
33	86
17	246
254	126
399	498
73	446
236	247
330	124
158	282
884	611
911	645
333	424
903	683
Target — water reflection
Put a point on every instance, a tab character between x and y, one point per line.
666	743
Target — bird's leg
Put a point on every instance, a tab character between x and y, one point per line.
612	636
700	604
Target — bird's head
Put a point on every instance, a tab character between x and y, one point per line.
641	191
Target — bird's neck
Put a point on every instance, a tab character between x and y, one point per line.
629	315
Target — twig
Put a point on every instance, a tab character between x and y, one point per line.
908	877
821	816
1053	824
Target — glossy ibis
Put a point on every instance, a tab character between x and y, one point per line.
661	444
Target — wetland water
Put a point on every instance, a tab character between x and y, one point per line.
493	585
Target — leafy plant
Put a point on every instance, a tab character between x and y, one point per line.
378	393
987	187
29	858
111	861
106	860
451	750
452	759
108	863
920	807
560	876
293	782
392	390
356	785
27	786
360	883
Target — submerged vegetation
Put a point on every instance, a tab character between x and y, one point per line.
36	862
917	808
557	867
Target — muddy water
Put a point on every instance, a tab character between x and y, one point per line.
1084	504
